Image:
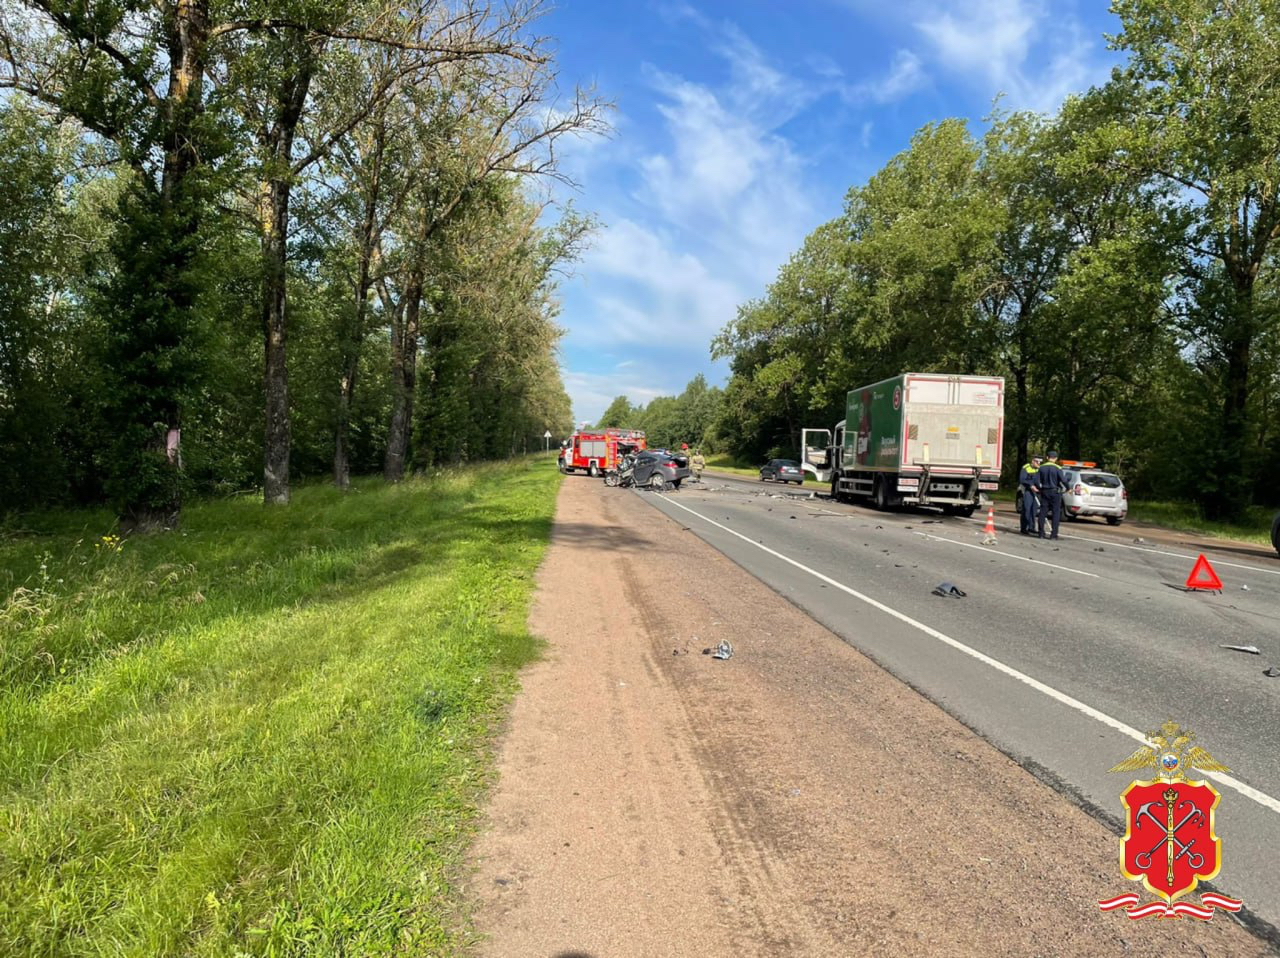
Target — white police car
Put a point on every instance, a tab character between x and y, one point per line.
1093	492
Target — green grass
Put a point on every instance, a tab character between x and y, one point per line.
266	734
1189	517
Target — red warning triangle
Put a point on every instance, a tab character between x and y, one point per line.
1203	576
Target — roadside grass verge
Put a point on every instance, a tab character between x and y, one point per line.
1255	527
265	734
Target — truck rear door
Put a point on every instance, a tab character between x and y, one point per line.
954	420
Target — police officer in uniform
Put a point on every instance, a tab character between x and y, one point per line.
1030	504
1049	485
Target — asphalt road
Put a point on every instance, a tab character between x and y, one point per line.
1060	653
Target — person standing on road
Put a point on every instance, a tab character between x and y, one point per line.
1030	504
1049	485
697	464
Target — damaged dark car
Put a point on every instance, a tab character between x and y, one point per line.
658	469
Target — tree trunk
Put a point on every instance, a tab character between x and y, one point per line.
276	376
404	367
346	392
151	338
1233	485
276	146
1024	415
352	342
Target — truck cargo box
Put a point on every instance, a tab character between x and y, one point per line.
920	438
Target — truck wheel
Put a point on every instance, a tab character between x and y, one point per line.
835	489
1275	532
964	512
593	471
880	497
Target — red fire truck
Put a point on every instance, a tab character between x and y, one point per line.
594	452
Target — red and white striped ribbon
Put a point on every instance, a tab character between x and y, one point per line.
1204	911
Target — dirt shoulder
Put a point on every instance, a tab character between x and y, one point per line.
793	800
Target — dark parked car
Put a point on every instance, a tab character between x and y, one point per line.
782	470
1275	532
659	469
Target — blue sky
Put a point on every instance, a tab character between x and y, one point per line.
739	128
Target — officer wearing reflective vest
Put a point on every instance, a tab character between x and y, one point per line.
1030	504
1049	485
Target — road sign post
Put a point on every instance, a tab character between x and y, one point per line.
546	440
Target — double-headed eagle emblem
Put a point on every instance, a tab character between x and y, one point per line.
1170	753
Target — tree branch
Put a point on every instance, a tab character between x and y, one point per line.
69	25
523	53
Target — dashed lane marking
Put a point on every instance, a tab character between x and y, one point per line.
1007	555
1230	781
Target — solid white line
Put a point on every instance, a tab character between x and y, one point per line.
1178	555
1006	555
1263	799
1162	552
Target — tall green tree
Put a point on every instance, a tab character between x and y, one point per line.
1200	95
620	414
134	74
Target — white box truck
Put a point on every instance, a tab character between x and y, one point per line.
917	439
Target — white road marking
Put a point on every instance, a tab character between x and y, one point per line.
1263	799
1163	552
1007	555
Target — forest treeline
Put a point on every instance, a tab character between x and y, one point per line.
691	417
244	243
1115	262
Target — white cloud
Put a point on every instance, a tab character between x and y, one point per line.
651	293
593	392
728	182
1013	46
991	37
906	75
719	200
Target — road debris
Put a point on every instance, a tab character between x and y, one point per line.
1244	588
949	589
1251	649
722	651
1272	673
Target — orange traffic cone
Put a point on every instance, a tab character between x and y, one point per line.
989	530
